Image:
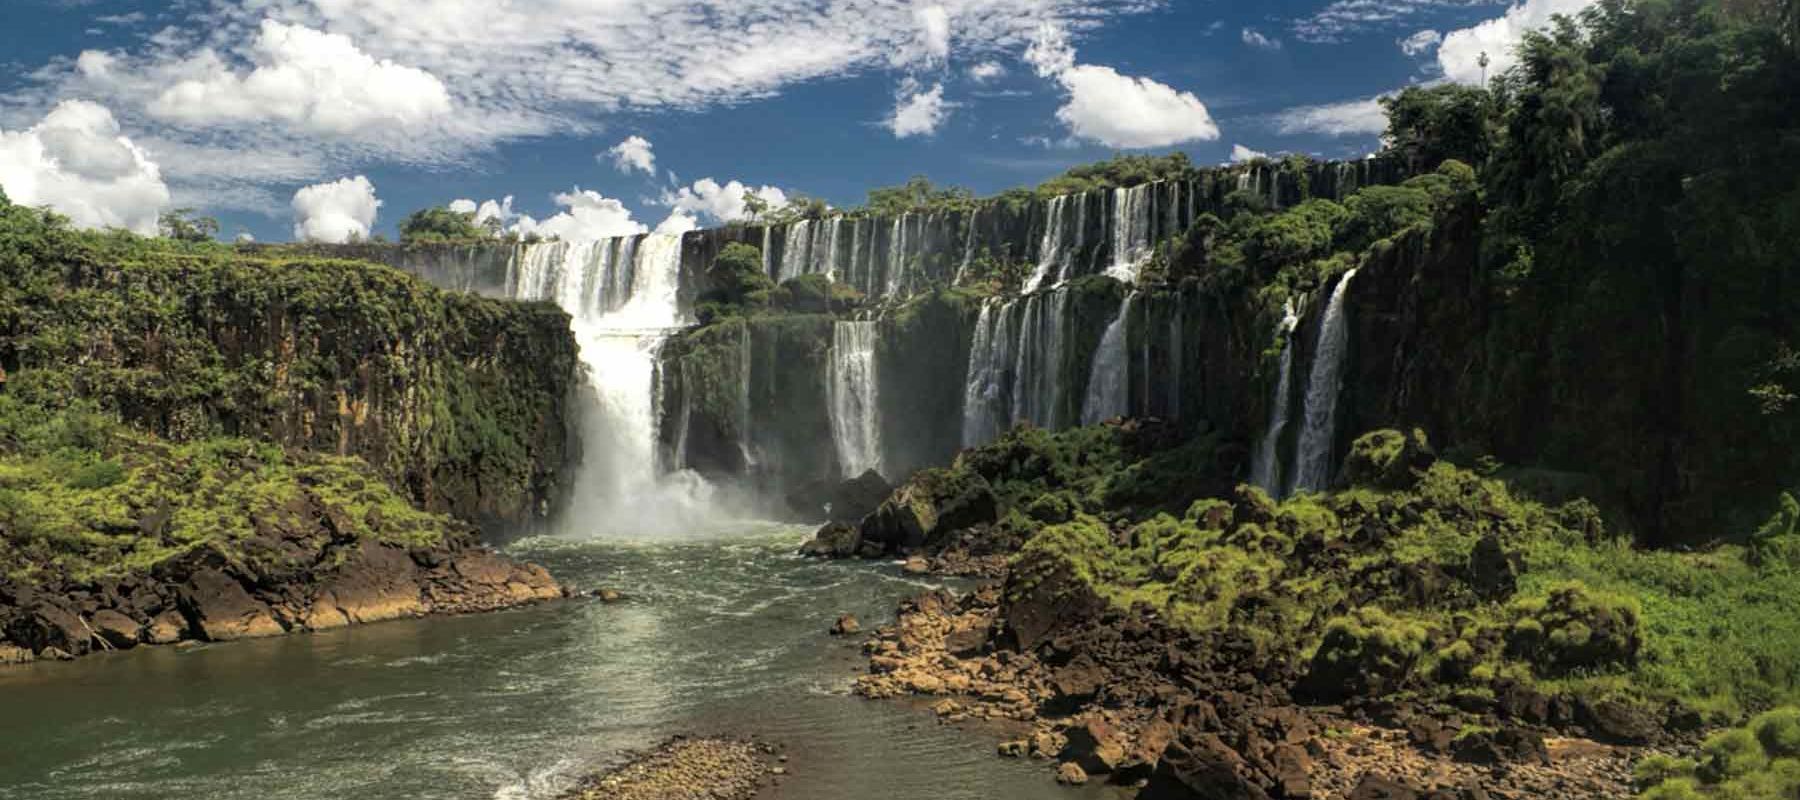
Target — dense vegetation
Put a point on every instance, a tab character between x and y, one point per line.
158	395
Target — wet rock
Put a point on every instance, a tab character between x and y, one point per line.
608	595
685	769
223	611
846	625
10	654
1071	775
833	540
379	583
115	628
927	508
858	497
166	628
916	565
1096	746
1017	748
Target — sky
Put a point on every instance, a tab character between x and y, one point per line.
326	119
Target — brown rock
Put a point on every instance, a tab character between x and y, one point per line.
968	643
223	611
1202	767
1071	774
916	565
1292	771
115	628
846	625
14	655
1376	787
45	625
1095	745
165	628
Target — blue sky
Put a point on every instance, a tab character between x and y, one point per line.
113	110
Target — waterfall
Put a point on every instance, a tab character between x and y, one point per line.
1265	467
1038	372
1176	357
984	387
1050	250
897	266
855	423
1313	461
1130	231
1108	392
796	250
623	297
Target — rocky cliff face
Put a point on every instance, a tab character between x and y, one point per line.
460	401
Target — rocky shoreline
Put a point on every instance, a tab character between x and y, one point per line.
685	768
1122	698
208	598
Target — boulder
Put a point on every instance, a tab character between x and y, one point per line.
380	583
846	625
1071	775
1493	570
115	628
858	497
1508	745
966	643
1292	770
1614	722
1203	766
1388	459
1376	787
10	654
1078	681
166	628
46	624
222	610
1095	746
928	507
833	540
916	565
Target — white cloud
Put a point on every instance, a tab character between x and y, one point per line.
304	77
1460	54
934	32
1344	18
1121	111
1350	118
1117	110
918	111
587	216
635	153
1241	154
1421	42
678	223
498	210
1256	39
721	203
77	162
335	212
987	72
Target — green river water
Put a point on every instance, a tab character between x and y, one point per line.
720	634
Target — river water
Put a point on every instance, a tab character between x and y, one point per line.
720	633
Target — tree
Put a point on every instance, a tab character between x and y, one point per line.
1430	126
755	206
183	226
439	224
736	275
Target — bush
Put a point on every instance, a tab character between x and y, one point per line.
1368	652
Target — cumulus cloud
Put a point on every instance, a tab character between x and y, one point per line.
721	203
1350	118
1460	54
500	211
78	162
1121	111
678	223
1257	39
635	153
987	72
1420	43
934	32
335	212
1241	154
918	111
1113	109
304	77
586	216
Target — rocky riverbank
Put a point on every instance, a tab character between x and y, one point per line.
688	769
1126	699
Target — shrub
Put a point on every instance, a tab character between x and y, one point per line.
1367	652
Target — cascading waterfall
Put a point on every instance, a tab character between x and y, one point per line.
1313	463
1050	251
1131	238
1038	372
796	251
1265	467
855	424
1108	390
623	297
985	406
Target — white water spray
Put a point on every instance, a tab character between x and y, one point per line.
855	410
1313	457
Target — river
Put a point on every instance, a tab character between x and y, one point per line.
719	633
